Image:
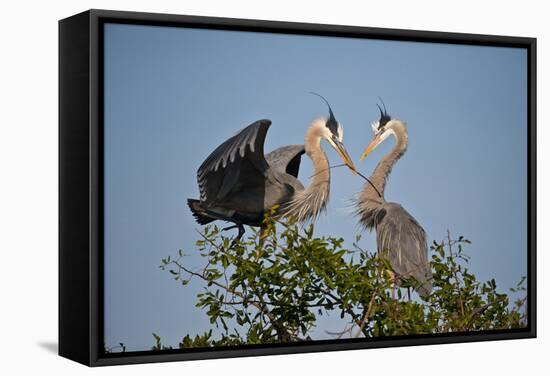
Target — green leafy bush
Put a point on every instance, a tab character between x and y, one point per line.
273	286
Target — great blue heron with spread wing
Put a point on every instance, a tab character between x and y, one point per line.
398	235
238	184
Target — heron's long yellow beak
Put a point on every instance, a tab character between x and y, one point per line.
342	152
374	143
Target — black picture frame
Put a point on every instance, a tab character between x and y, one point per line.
80	184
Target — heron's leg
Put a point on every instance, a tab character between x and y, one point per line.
241	230
263	234
392	281
237	224
237	239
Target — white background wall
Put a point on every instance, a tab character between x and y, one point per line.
28	185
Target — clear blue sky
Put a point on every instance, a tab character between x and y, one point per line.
172	95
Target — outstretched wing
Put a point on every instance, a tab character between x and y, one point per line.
238	160
286	159
404	240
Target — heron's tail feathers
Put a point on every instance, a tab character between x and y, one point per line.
424	289
420	282
198	211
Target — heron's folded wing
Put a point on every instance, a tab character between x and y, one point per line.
399	234
286	159
239	160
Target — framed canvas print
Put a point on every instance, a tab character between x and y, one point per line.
225	187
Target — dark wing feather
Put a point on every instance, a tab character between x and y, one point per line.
241	156
286	159
404	240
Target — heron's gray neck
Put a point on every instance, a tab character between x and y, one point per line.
369	202
310	202
320	181
380	175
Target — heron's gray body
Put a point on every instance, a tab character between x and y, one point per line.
401	239
239	184
399	236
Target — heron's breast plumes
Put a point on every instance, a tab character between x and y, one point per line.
306	205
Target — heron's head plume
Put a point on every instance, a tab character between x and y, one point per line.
378	126
334	134
382	128
332	124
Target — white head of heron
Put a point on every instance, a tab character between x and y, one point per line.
382	128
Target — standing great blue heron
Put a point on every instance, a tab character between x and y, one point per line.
398	235
238	184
